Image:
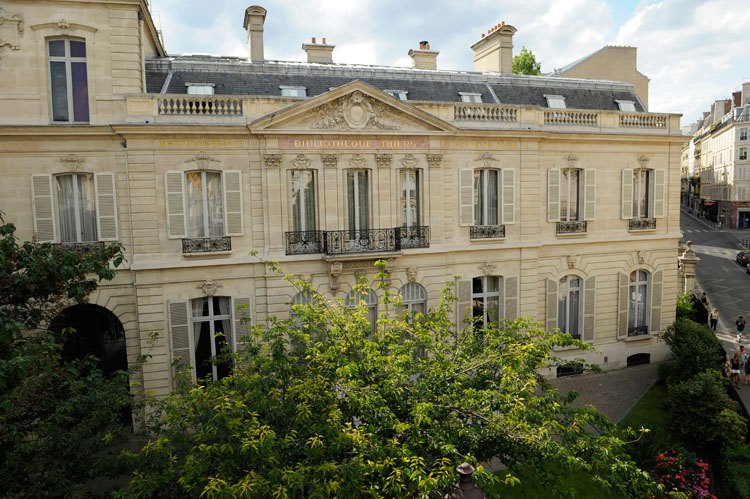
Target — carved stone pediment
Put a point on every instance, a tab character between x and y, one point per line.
355	111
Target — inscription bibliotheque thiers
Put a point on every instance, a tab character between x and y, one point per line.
354	144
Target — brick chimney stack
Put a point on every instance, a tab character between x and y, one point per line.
319	52
255	16
423	58
745	92
494	51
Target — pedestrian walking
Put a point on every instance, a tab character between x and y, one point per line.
728	366
704	299
735	379
713	318
740	323
743	361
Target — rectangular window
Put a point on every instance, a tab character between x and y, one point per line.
570	190
568	306
358	200
205	204
303	201
68	81
200	88
626	105
487	191
638	303
743	133
743	153
212	335
741	193
76	207
485	297
555	101
470	97
642	180
293	91
399	94
410	198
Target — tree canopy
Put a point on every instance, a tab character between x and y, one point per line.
54	415
524	63
324	405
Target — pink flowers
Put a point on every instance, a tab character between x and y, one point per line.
681	471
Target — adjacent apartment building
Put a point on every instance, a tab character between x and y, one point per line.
715	165
549	197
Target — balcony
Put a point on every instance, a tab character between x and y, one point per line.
486	231
571	227
637	331
636	224
344	242
206	245
82	248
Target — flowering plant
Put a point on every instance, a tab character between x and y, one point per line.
681	471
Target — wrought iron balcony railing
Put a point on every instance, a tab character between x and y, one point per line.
571	227
641	224
84	247
341	242
486	231
305	242
206	244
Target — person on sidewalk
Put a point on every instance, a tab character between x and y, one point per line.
713	319
736	362
740	323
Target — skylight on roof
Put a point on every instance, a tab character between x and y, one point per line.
200	88
626	105
288	91
470	97
555	101
399	94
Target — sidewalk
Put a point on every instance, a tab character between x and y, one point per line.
741	235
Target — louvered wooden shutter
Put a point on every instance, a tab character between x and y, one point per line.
106	206
179	333
627	194
510	297
174	182
43	205
657	280
622	306
233	202
463	306
589	194
551	305
659	193
241	308
509	196
466	196
589	308
553	195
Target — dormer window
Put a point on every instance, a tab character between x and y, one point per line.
200	88
555	101
399	94
287	91
626	105
470	97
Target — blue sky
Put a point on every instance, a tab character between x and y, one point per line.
694	51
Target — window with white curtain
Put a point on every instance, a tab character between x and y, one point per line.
300	299
358	199
205	204
487	191
638	303
414	298
212	335
68	80
358	295
642	193
570	194
76	207
485	297
569	306
410	197
303	200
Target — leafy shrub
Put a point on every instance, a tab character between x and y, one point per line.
695	348
679	471
736	471
685	308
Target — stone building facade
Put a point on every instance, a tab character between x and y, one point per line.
539	193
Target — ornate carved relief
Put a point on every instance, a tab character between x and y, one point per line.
63	24
72	162
301	161
409	161
486	160
356	111
487	268
272	160
306	278
202	160
434	160
335	272
383	160
411	274
11	27
643	160
358	161
329	160
572	160
641	256
360	274
209	287
571	261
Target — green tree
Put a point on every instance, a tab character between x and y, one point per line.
323	406
695	348
525	63
53	414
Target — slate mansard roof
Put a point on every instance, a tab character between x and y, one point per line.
235	76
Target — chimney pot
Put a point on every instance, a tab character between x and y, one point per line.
319	52
494	52
255	16
482	35
424	58
324	41
313	39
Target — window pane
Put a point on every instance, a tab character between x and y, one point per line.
80	92
308	184
200	307
573	310
364	202
477	285
493	309
87	207
57	48
493	216
562	310
202	332
195	204
66	208
642	296
59	89
644	194
632	307
215	204
493	284
77	49
573	186
478	197
410	198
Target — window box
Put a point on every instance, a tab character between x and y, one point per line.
206	245
571	227
639	224
486	231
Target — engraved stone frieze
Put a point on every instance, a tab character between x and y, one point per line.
383	160
434	160
356	111
272	160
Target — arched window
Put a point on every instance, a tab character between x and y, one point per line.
569	306
370	299
414	298
638	303
301	298
212	335
485	296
